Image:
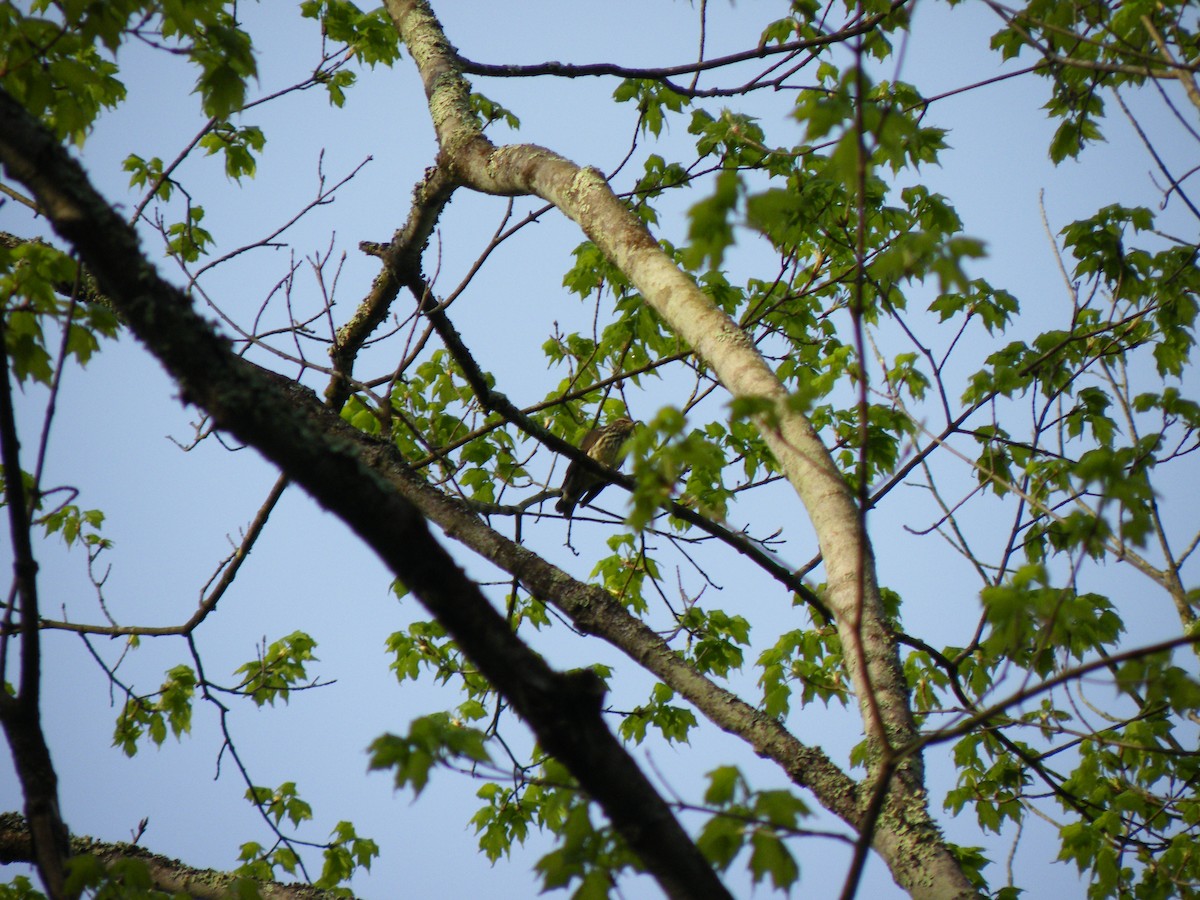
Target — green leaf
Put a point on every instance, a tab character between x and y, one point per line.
278	669
431	740
239	146
770	856
710	230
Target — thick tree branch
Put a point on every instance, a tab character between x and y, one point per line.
405	269
20	715
593	610
590	608
582	194
403	254
166	874
563	710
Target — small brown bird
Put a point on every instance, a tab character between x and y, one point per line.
601	445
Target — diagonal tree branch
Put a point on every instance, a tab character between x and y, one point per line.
582	194
563	710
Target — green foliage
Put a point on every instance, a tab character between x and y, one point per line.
278	803
590	854
1031	622
550	801
715	639
187	239
886	427
812	658
490	111
993	783
118	880
346	853
624	574
431	740
336	84
63	75
654	101
1119	774
433	413
144	173
927	681
278	669
973	862
664	455
660	177
994	307
591	271
226	65
260	864
1073	427
423	644
1161	285
710	231
1092	48
672	722
424	647
77	525
34	277
755	820
239	144
59	60
169	708
369	36
737	140
505	820
361	416
1161	686
20	888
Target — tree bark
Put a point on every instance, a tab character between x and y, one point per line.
170	875
563	710
20	714
907	836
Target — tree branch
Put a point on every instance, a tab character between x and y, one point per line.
562	709
20	715
662	73
170	875
582	194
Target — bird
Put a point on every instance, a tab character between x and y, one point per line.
602	446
